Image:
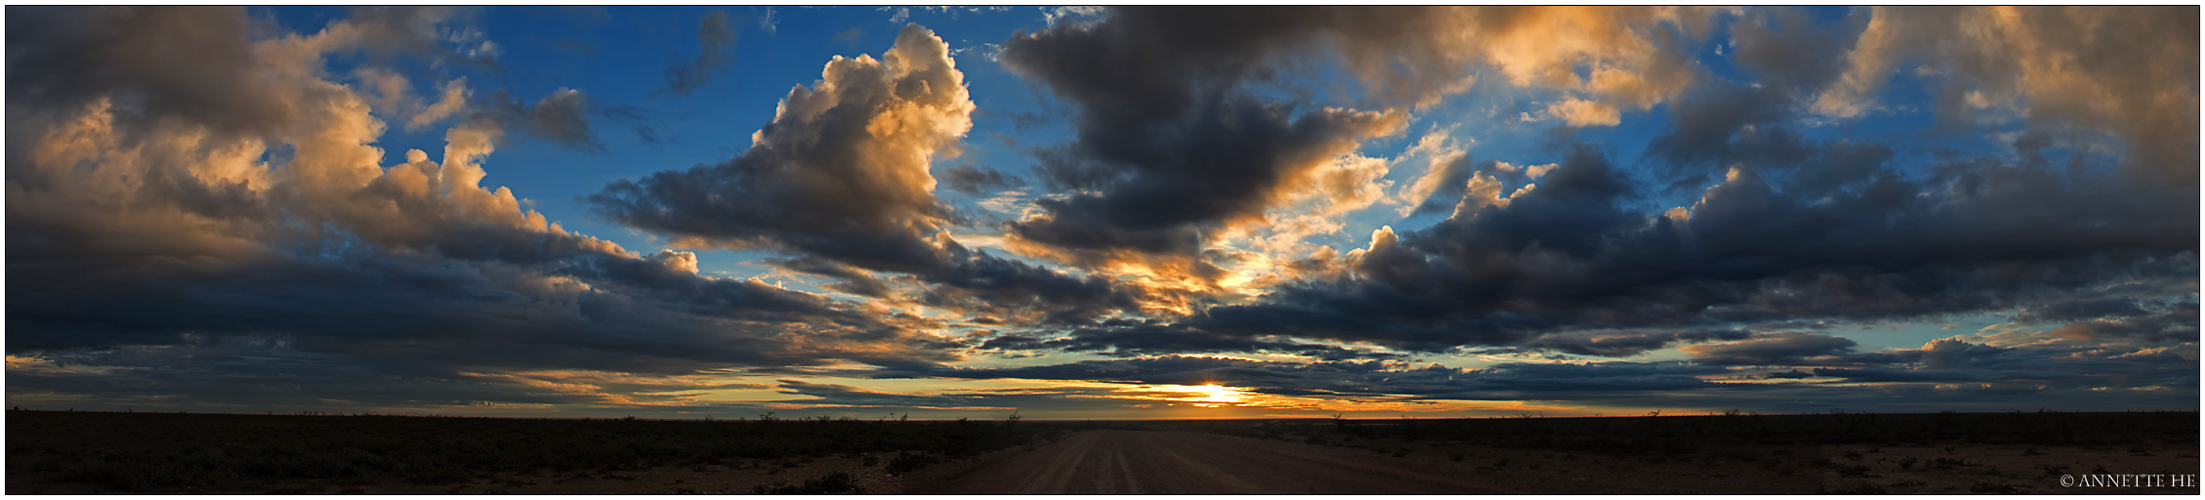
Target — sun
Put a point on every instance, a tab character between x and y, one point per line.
1212	395
1220	394
1208	395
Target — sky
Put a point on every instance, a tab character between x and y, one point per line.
1102	213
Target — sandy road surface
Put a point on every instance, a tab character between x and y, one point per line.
1148	462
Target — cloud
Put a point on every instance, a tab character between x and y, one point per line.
716	36
1371	378
1581	113
186	61
2124	327
1788	49
1567	256
977	180
198	202
1705	119
843	395
1446	174
2081	308
841	172
191	224
1904	380
977	283
1051	15
453	100
1769	349
2098	67
1237	160
1173	151
231	374
1629	343
561	117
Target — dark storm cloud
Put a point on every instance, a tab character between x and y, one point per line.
192	61
1703	120
1166	138
1227	162
977	180
1719	125
2175	323
1173	146
1567	256
1791	56
1786	48
715	36
2034	368
977	282
642	317
2081	308
196	63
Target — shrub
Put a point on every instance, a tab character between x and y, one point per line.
837	482
908	461
1860	489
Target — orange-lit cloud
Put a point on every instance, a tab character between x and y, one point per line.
842	171
2103	67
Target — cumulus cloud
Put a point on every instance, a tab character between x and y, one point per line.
841	171
842	174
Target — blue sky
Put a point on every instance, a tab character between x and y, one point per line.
1106	212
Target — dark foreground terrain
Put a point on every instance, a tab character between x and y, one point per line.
2014	452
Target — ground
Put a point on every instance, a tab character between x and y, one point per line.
90	452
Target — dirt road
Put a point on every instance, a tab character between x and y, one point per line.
1147	462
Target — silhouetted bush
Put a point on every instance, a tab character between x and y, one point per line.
443	450
837	482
